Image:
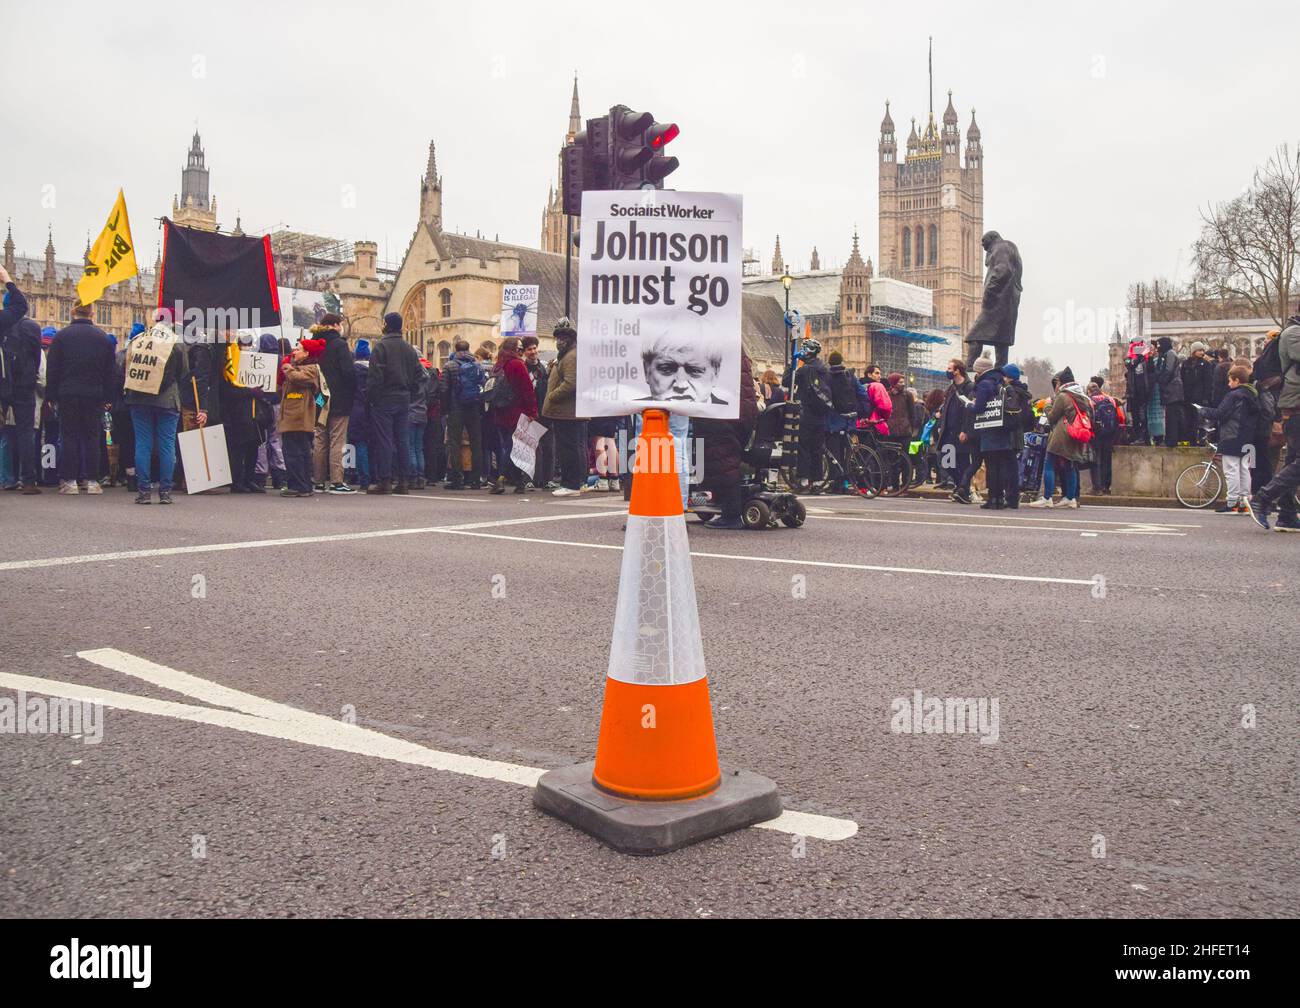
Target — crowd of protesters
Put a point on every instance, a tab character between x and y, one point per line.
382	419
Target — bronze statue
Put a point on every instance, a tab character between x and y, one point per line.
996	325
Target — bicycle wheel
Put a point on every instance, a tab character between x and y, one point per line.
1199	485
867	471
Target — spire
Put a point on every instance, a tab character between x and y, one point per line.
778	264
887	123
49	244
9	247
239	231
973	134
855	257
950	113
85	256
431	171
816	262
575	116
912	139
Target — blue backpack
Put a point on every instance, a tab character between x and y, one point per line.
1105	419
469	382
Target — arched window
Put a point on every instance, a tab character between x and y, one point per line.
444	351
907	248
934	244
920	245
444	299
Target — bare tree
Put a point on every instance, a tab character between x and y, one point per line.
1248	246
1037	374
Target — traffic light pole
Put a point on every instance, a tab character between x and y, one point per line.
568	260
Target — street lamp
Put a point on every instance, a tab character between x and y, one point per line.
787	281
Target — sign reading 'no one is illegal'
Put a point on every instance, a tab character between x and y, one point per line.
659	303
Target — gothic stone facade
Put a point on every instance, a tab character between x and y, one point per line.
932	215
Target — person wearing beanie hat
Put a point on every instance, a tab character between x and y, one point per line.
395	373
299	390
1166	394
1011	371
560	407
1198	390
362	351
903	407
338	377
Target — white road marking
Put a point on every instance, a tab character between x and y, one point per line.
259	716
799	563
264	543
1003	516
989	525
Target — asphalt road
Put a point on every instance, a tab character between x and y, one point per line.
1124	647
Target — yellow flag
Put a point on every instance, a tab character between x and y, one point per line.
232	364
112	258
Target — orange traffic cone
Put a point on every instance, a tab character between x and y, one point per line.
656	732
656	784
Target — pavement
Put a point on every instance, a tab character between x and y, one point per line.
338	706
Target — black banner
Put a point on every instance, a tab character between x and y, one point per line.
204	271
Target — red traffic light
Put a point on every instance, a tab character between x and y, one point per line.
660	135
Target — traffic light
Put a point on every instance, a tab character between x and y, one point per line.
623	150
573	163
637	159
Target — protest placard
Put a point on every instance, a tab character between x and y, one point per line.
659	295
523	446
203	454
519	310
146	359
258	370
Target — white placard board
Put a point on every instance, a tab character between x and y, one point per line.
523	446
203	454
258	370
659	297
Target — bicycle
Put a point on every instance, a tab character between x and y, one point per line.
848	465
1200	485
895	462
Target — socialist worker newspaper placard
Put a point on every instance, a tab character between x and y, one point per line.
659	303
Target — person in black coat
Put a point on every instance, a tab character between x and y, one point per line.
1238	420
724	446
79	379
20	342
953	455
245	419
336	367
812	391
1198	388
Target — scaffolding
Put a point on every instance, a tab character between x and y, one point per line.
309	261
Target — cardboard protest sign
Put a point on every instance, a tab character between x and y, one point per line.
146	359
523	447
258	370
203	454
659	297
519	310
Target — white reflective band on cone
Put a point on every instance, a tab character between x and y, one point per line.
656	638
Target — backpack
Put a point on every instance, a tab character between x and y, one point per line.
1015	407
1105	418
844	394
1080	428
498	392
469	382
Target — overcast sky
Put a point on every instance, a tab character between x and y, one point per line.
1104	129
